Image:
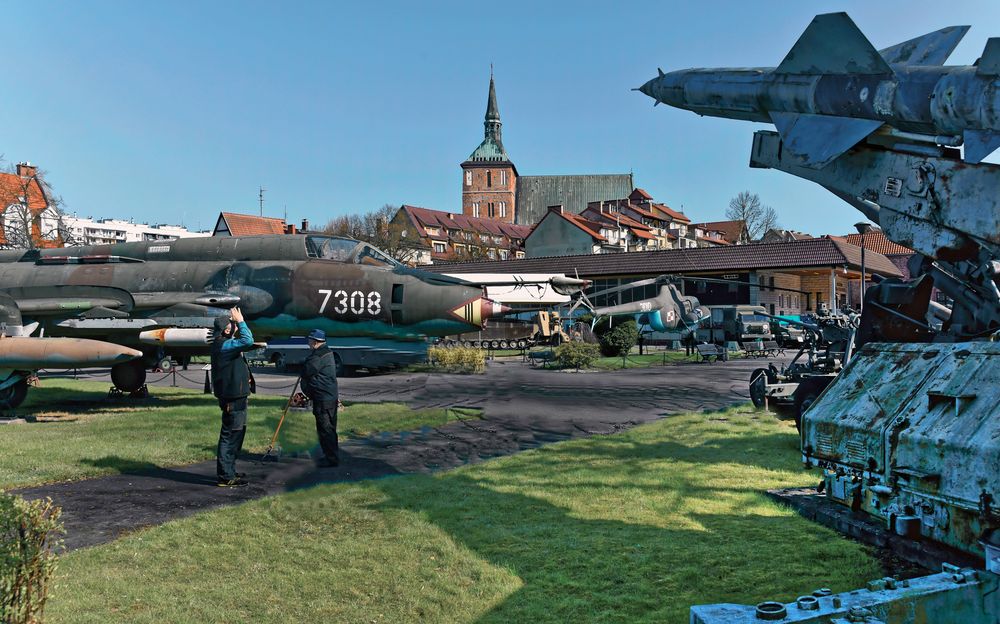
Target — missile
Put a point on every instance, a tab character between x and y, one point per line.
23	353
478	310
834	90
177	337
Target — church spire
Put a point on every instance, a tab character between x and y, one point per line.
491	149
492	121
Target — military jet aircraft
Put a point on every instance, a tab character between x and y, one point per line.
161	297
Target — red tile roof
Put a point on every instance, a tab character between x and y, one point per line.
640	194
877	241
590	227
427	217
252	225
823	253
731	230
673	214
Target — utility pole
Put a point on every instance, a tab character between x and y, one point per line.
260	199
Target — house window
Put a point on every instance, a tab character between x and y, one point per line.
492	253
489	178
475	209
503	178
503	254
438	247
503	209
491	210
468	178
518	254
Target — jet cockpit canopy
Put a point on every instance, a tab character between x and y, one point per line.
347	250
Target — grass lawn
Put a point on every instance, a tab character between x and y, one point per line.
92	436
633	527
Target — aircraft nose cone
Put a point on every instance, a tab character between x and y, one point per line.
493	308
649	88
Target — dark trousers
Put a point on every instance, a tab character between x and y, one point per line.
326	428
234	428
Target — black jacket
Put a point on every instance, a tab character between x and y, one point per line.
319	376
230	373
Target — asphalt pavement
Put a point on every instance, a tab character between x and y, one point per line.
523	408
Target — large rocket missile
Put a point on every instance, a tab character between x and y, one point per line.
177	337
834	89
22	353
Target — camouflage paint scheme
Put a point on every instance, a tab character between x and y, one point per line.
286	285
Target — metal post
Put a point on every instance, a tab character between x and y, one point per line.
861	305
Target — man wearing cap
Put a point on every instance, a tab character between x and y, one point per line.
319	383
231	381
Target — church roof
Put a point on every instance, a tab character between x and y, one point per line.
573	192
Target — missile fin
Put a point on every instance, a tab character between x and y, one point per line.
930	49
989	63
979	144
833	44
816	140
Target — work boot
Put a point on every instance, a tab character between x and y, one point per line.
233	483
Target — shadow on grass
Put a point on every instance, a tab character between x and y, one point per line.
591	560
125	466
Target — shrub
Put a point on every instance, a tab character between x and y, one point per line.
620	339
576	355
28	539
458	359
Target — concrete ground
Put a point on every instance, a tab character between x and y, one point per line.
522	407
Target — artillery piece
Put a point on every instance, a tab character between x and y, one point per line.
829	343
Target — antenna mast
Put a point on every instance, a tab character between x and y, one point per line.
260	199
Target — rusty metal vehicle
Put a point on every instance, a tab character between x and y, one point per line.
909	432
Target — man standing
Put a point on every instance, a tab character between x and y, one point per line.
319	383
231	384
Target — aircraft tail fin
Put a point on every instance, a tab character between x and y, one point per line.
833	44
930	49
989	63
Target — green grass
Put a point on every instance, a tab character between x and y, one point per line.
90	436
634	527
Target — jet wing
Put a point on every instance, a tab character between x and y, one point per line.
930	49
816	140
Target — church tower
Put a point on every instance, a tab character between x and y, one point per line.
489	179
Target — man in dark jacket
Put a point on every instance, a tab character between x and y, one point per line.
319	383
231	385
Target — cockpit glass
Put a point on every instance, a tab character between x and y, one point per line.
330	248
366	254
346	250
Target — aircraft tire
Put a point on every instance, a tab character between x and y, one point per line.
12	396
128	376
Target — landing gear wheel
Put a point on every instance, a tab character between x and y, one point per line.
758	387
165	365
128	376
14	395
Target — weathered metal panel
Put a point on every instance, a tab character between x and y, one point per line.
911	434
951	597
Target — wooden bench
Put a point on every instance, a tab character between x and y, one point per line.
541	358
709	351
772	348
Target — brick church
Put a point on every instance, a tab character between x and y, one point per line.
492	188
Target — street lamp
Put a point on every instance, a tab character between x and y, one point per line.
863	227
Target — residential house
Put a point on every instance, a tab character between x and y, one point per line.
447	236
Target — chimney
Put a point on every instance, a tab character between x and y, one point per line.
290	228
558	209
26	169
451	216
305	225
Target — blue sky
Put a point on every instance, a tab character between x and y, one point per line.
172	112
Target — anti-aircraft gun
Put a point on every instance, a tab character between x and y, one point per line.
909	432
829	344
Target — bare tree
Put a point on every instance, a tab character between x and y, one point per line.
31	213
747	207
378	228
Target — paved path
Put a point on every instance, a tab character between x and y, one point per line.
522	409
